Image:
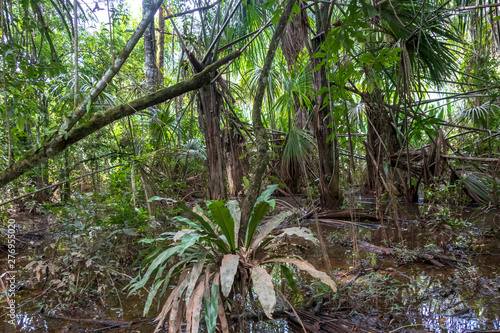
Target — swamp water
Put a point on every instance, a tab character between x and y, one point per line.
382	292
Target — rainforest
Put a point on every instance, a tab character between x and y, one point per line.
250	166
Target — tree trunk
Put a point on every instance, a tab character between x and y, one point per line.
209	111
236	165
150	68
161	45
210	105
10	159
380	135
329	171
66	188
295	37
111	34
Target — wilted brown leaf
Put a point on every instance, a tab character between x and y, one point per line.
306	266
264	289
228	270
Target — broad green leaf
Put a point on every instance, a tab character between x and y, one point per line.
265	195
155	264
296	9
211	307
20	123
322	91
179	234
246	181
159	282
224	220
228	270
260	210
197	210
268	227
306	266
276	16
190	223
300	232
197	217
319	54
157	198
188	240
264	289
289	278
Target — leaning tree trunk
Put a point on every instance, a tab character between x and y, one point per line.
329	171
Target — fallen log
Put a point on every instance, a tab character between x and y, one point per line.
475	159
382	250
346	214
326	324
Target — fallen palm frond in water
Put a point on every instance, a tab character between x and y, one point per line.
326	324
343	222
480	186
427	163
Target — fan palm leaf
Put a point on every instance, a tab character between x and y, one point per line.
298	149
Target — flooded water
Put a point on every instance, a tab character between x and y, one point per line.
416	296
389	293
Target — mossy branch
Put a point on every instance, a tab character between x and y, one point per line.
56	145
261	139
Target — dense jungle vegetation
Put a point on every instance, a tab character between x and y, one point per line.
250	165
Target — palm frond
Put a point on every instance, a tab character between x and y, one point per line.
298	147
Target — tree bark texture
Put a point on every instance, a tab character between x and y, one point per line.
57	144
236	164
161	45
293	41
380	136
295	37
210	104
328	160
150	67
